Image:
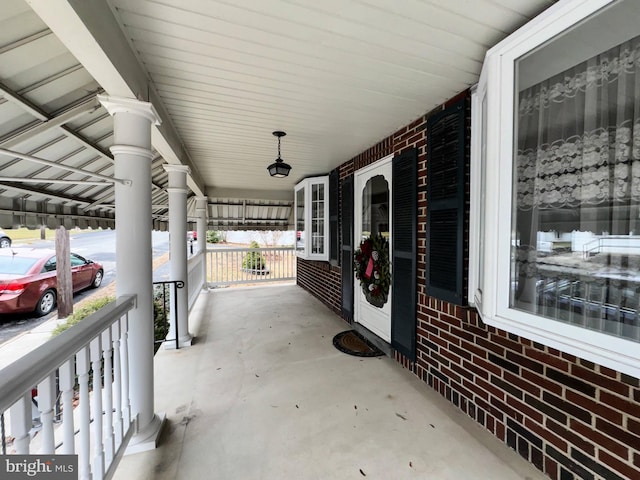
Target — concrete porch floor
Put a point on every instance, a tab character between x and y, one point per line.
263	394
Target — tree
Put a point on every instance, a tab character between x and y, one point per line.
270	238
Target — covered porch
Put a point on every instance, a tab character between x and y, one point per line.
159	115
262	393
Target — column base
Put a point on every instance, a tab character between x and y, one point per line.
183	341
186	340
147	439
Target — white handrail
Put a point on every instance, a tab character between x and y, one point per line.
29	370
98	346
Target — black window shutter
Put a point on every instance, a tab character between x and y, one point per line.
334	210
404	291
445	204
347	248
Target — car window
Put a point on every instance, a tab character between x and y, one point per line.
15	265
50	266
77	260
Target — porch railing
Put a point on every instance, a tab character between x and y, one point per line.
91	362
234	266
165	312
195	277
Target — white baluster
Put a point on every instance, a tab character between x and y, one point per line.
82	366
46	400
20	413
98	448
108	399
124	355
117	383
67	382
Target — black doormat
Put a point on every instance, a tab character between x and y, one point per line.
352	343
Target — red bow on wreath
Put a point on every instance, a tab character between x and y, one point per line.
369	270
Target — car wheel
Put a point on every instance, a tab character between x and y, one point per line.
5	242
97	281
46	303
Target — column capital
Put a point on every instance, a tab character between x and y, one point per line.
115	105
201	203
171	167
177	190
177	178
131	150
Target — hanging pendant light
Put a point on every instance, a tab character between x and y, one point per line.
279	169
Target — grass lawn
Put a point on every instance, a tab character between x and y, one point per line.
25	235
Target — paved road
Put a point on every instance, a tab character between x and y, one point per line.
99	246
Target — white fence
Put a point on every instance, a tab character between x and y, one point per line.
91	414
234	266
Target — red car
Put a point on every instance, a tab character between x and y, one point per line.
28	280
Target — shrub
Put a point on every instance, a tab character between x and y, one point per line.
254	260
160	316
92	306
214	236
161	322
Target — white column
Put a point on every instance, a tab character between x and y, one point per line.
131	149
201	212
178	253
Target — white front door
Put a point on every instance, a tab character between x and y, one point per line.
372	217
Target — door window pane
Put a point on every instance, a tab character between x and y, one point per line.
375	207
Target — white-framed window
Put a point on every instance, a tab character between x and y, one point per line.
555	214
312	218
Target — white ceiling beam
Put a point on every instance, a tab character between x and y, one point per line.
88	105
49	163
51	78
53	180
109	195
153	206
24	40
13	97
55	215
48	194
91	33
98	203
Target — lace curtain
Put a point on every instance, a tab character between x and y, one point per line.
579	134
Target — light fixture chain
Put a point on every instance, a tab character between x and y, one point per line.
279	168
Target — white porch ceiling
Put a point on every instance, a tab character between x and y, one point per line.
338	76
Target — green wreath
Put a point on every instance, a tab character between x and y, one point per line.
371	264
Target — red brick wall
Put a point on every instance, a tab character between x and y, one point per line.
321	280
569	417
565	415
